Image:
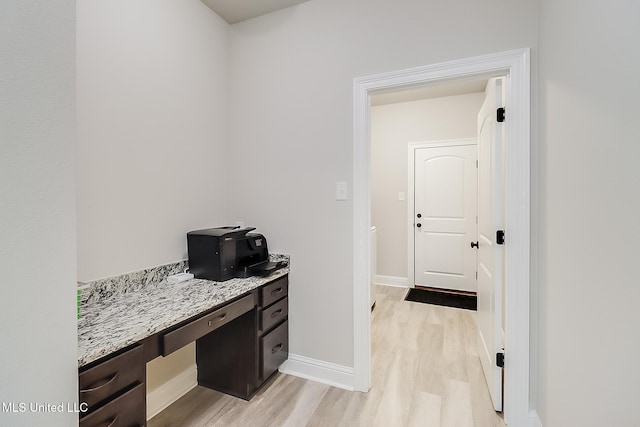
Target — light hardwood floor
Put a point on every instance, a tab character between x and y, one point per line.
425	372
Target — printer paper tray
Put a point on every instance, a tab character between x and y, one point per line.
267	267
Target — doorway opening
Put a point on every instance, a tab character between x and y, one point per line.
514	65
445	224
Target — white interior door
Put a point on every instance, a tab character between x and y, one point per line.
445	200
490	254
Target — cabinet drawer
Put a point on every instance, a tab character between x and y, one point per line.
110	377
202	326
273	314
275	349
128	410
274	291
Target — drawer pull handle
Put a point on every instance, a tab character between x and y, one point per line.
113	421
106	383
218	319
276	291
276	349
276	313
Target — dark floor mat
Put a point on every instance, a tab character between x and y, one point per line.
468	302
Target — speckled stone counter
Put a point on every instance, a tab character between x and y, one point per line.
123	310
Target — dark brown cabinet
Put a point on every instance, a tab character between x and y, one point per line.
126	410
204	325
274	350
239	345
274	314
238	360
273	309
274	291
227	358
114	391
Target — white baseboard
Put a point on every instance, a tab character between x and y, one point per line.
319	371
534	419
401	282
172	390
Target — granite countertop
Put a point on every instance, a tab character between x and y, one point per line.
123	310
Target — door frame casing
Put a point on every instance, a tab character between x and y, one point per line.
515	64
411	166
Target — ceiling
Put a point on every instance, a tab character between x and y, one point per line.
434	90
234	11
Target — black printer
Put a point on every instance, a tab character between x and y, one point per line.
223	253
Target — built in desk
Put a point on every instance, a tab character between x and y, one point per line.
240	327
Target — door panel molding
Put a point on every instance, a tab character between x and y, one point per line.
514	64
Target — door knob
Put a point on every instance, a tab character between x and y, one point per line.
475	244
418	225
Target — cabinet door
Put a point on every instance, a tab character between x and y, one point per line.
274	314
111	377
274	347
128	410
274	291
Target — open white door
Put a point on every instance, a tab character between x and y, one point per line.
490	252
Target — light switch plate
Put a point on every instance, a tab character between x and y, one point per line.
401	195
341	190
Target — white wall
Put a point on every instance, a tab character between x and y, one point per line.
393	126
38	361
152	131
300	140
589	209
587	368
291	116
152	138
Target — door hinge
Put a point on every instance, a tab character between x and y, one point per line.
500	237
500	360
476	164
476	275
500	115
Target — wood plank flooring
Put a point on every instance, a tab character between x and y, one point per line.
425	372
